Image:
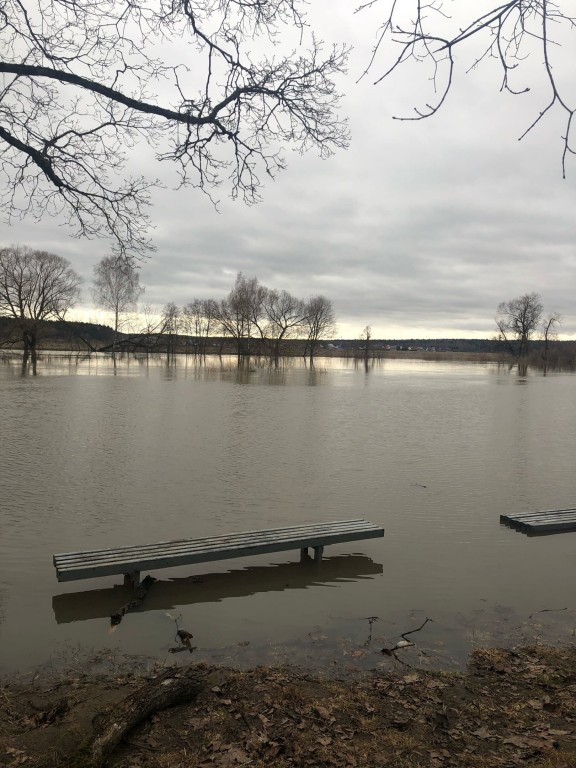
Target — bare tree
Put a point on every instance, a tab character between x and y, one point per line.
320	323
147	335
82	83
517	320
200	320
513	33
171	323
35	286
242	313
366	337
116	288
286	316
548	329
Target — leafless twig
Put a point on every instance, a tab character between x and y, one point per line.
509	33
404	643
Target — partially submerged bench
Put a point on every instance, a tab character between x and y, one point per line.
540	523
130	561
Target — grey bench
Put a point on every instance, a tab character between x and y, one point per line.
130	561
541	523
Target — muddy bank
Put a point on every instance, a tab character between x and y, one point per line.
512	707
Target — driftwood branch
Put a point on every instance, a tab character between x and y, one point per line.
171	687
182	636
418	629
404	643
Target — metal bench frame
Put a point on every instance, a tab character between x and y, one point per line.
131	560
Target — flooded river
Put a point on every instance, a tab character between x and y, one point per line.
94	456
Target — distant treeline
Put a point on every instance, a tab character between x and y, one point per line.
93	337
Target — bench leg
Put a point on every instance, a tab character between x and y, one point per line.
132	578
305	557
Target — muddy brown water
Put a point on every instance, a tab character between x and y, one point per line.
94	456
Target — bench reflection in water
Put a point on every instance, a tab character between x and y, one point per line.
213	587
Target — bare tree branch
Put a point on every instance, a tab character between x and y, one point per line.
83	83
510	33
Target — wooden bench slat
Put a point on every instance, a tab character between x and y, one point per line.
109	558
224	538
79	565
129	565
537	519
139	565
545	520
207	544
541	522
528	517
551	527
546	525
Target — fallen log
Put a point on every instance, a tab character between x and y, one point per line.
175	685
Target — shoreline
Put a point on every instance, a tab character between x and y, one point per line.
511	707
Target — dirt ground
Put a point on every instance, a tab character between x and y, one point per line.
511	708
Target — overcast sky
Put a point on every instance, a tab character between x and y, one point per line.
420	228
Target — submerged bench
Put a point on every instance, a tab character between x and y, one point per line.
130	561
538	523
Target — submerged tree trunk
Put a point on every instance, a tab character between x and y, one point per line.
115	340
30	342
312	343
276	351
29	357
29	339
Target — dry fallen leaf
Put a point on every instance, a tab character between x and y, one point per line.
482	733
526	742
